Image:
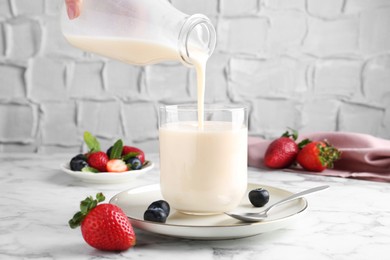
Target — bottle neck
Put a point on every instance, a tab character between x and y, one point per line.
197	32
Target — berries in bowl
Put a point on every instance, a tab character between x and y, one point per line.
119	163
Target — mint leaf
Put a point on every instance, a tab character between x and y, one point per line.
91	141
130	155
116	151
89	169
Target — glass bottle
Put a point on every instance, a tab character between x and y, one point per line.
139	32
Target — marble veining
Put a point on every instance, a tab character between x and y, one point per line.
351	220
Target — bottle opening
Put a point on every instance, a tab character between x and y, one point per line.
197	37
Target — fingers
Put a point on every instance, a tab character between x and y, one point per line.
73	8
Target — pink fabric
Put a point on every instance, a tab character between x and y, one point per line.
363	156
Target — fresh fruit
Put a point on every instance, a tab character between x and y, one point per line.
95	157
134	163
98	160
104	226
116	165
155	215
162	204
281	153
78	165
158	211
78	162
128	150
258	197
122	158
317	156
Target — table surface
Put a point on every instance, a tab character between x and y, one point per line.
351	220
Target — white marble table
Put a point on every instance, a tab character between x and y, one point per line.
351	220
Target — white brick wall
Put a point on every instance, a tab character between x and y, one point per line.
312	65
242	34
331	37
337	77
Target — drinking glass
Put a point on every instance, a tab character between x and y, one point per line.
203	166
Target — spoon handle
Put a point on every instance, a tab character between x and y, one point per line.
296	196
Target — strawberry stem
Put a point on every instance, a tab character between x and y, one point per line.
328	154
85	207
293	135
303	143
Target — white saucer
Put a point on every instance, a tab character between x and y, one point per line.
107	177
135	201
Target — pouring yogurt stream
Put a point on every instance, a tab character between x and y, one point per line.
232	174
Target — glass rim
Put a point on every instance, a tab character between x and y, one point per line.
207	107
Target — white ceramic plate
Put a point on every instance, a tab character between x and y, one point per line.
135	201
107	177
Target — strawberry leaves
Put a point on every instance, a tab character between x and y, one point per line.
85	207
293	135
304	142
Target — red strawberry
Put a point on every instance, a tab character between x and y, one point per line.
105	226
317	156
98	160
134	150
116	165
281	153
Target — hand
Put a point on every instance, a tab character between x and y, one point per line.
73	8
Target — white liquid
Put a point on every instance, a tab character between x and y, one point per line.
203	171
127	50
199	60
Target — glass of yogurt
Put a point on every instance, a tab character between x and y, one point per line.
203	165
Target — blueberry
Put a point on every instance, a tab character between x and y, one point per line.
79	157
155	215
135	163
109	152
160	204
258	197
78	162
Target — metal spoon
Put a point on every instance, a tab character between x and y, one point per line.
259	216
